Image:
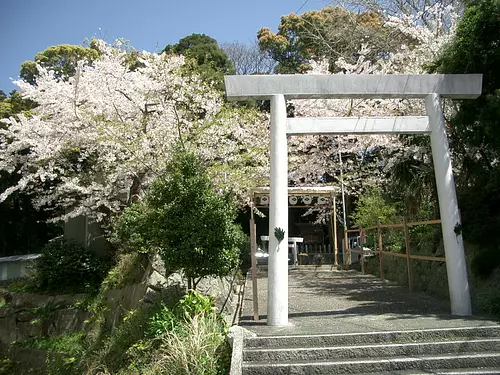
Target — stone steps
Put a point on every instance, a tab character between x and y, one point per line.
375	350
470	350
372	337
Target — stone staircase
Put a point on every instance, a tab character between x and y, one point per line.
450	351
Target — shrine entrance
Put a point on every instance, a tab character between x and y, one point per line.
277	88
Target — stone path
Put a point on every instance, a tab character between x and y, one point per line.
329	301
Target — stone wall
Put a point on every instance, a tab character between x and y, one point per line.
227	290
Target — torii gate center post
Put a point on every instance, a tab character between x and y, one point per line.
277	88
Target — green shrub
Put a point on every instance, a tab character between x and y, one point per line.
186	220
67	266
163	321
63	352
194	303
485	261
168	319
70	343
113	353
200	348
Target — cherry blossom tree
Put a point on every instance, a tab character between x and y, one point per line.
98	139
357	161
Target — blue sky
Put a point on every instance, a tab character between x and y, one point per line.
30	26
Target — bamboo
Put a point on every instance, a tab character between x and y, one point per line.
253	247
380	252
408	257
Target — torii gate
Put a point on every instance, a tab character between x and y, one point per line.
428	87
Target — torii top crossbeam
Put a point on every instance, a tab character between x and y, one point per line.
356	86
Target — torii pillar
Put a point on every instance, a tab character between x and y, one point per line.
277	292
428	87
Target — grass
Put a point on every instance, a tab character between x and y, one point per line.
170	336
72	343
129	270
200	348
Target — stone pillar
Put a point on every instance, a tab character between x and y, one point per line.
448	207
277	295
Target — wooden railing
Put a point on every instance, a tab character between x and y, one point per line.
380	251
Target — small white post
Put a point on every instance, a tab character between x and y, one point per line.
448	207
277	295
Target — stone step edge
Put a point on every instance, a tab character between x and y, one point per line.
377	333
371	361
457	371
372	346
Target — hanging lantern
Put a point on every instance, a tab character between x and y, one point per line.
293	200
307	199
264	200
322	200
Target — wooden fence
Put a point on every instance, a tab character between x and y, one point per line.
380	251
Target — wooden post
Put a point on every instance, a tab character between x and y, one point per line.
361	243
334	214
253	247
346	246
408	256
380	254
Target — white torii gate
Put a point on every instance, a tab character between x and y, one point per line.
428	87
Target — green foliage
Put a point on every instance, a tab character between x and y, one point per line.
485	262
330	33
62	352
131	229
115	348
182	216
62	59
14	104
411	179
199	348
70	343
139	343
194	303
475	129
129	269
210	60
67	266
163	321
169	319
373	208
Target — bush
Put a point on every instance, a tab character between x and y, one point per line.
170	319
199	348
186	220
67	266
